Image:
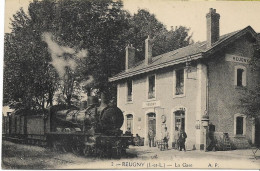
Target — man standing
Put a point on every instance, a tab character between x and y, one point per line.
166	137
176	138
182	139
151	137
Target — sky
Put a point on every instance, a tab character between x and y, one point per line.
233	15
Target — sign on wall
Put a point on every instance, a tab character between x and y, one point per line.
238	59
151	104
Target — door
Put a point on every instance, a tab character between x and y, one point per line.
152	123
129	123
180	119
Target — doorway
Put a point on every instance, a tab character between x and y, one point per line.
179	119
151	123
129	123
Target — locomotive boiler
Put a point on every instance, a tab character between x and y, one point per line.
91	131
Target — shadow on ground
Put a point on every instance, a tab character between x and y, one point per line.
20	156
24	156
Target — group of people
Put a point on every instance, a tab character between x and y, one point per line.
179	138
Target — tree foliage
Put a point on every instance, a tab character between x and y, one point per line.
251	102
101	27
143	24
251	98
176	38
28	77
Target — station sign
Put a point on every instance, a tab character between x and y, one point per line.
238	59
151	104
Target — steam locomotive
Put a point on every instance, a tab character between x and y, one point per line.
93	131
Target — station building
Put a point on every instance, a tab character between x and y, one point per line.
177	88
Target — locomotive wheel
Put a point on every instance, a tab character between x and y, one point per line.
76	146
55	146
117	152
100	152
86	152
123	151
76	150
89	150
64	149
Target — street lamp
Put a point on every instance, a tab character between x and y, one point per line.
205	124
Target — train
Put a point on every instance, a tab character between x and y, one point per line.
91	131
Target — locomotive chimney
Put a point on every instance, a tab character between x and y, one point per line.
212	26
83	105
103	100
103	103
92	100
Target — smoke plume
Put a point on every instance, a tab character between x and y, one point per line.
59	58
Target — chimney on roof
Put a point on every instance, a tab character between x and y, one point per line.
129	57
148	50
212	26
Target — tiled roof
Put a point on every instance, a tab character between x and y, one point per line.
174	57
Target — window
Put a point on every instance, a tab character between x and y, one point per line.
239	124
129	90
179	88
239	128
129	123
240	76
151	87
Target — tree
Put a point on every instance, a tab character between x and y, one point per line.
167	41
101	28
251	98
251	103
28	77
143	24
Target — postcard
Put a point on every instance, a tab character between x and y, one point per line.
138	84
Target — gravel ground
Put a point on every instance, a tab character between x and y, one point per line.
17	156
